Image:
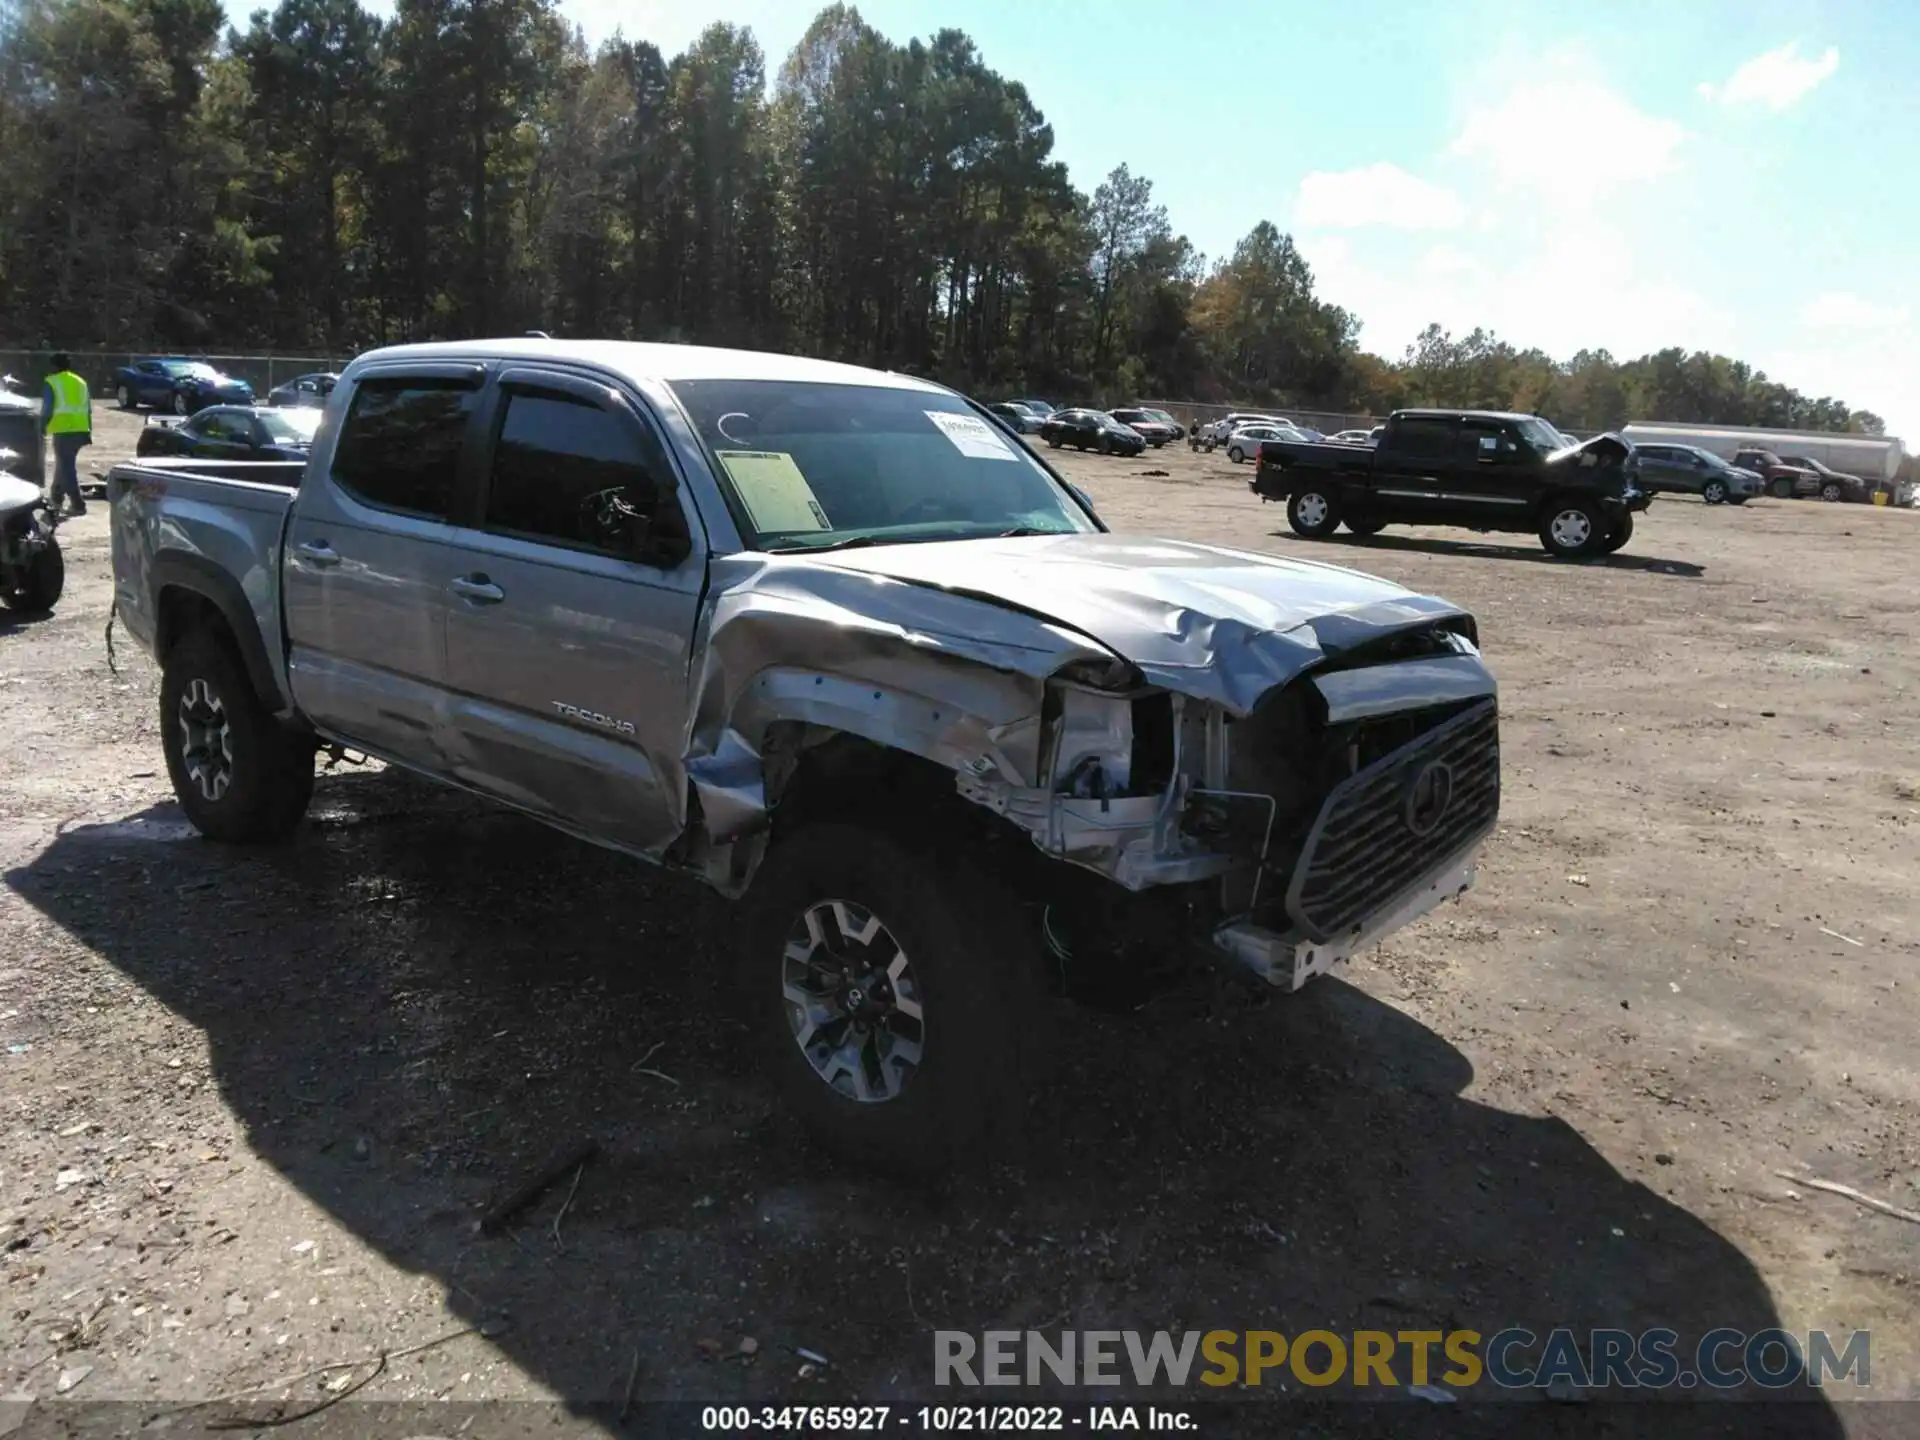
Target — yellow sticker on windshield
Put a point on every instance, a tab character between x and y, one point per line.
777	496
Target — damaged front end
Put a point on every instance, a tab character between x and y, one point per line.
1342	805
1282	759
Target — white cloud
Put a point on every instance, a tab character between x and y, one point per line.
1843	310
1776	79
1379	194
1569	138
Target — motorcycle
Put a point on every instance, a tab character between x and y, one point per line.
32	570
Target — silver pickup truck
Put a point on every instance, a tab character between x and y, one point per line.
832	639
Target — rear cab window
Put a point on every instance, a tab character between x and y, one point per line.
1422	435
400	444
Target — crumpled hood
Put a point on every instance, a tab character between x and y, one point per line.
1217	624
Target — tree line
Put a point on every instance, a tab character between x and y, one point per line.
328	179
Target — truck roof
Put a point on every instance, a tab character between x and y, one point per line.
1430	412
643	360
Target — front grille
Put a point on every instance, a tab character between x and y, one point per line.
1364	848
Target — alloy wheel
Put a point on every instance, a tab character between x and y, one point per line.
853	1002
1571	529
206	740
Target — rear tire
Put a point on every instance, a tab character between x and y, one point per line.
238	774
1571	528
1714	492
41	585
925	948
1312	512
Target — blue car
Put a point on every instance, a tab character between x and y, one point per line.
183	386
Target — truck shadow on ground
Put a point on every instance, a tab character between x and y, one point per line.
409	1004
1492	550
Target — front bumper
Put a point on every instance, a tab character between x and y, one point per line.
1289	961
1630	499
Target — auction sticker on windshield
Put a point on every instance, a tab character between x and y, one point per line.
971	435
776	494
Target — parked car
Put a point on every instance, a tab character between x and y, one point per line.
1091	430
182	386
304	390
830	641
1042	408
1689	470
1155	432
1834	485
1020	419
1782	480
1480	469
233	432
1244	443
1352	437
1221	429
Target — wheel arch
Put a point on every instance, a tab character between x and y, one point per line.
191	592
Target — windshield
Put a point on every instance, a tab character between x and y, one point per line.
810	465
184	369
284	429
1542	436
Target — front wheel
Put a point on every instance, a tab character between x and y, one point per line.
1237	455
1832	493
1053	442
1783	489
1714	492
125	398
1571	528
891	989
38	585
1106	445
180	406
238	774
1313	512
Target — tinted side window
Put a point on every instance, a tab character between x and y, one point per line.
1422	436
400	446
565	470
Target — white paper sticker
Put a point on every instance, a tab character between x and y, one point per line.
776	494
971	435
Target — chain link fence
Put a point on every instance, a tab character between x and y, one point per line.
99	367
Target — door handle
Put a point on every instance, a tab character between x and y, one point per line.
478	589
317	552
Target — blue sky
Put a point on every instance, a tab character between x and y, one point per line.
1737	175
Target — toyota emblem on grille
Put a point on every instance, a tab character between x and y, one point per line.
1428	796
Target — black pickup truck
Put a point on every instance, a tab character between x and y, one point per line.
1478	469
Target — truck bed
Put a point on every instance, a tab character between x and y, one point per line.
213	522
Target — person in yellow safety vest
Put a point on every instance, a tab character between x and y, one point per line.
66	414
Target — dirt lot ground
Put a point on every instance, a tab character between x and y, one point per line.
251	1101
